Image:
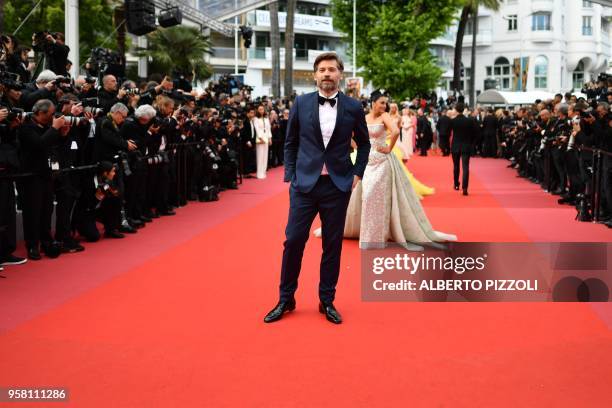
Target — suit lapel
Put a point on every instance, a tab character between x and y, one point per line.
339	112
316	121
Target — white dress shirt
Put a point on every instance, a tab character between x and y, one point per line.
327	119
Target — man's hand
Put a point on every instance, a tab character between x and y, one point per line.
384	149
3	114
356	179
76	110
121	93
131	145
154	129
58	122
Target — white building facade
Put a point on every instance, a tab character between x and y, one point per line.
314	34
530	45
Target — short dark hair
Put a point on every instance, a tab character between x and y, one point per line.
460	107
328	56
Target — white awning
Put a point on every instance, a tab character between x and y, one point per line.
495	97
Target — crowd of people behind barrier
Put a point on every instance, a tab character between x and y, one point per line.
100	149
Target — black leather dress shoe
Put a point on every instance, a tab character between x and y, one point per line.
465	192
136	223
278	311
114	234
456	186
330	312
128	229
34	254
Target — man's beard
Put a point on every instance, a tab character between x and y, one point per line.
328	85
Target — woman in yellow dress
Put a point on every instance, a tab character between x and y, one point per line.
419	188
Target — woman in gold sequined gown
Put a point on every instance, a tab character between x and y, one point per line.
384	205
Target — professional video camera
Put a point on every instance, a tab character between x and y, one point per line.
104	61
10	80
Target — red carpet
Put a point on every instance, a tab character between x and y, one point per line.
160	320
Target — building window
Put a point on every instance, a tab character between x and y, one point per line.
512	22
469	27
587	4
540	22
541	72
501	70
578	76
587	28
466	74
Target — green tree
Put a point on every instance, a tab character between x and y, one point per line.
470	9
95	21
393	40
179	48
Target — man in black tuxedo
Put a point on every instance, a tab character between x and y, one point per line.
322	176
247	144
424	132
443	128
464	131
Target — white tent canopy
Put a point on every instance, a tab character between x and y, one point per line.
495	97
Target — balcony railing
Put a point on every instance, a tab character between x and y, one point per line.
225	52
299	54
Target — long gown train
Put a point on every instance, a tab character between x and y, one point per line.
384	205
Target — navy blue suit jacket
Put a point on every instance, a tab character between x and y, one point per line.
305	151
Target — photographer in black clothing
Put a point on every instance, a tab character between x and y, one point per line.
44	88
67	185
54	49
110	146
37	136
100	200
110	94
160	182
140	129
9	165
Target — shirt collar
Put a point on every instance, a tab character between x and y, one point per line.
331	97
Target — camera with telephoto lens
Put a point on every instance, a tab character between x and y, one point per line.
71	120
93	111
213	156
16	113
63	83
121	158
90	105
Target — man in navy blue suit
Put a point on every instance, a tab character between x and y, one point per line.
322	175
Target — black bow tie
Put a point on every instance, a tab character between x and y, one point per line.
322	100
